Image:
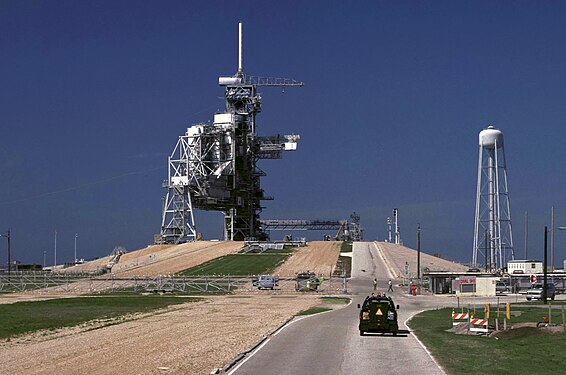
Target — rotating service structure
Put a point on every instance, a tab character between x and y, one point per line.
493	234
214	166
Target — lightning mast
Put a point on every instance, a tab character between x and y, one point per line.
214	166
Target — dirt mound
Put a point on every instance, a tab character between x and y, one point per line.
157	260
173	258
319	257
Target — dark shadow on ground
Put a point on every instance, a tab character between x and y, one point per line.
400	333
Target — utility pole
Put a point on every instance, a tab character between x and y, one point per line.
419	252
545	266
9	252
55	252
76	235
526	234
552	240
8	236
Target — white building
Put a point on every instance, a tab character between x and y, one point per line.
483	286
524	267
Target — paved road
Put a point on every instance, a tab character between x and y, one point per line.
330	343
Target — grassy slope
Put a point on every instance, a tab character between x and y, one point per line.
523	350
239	264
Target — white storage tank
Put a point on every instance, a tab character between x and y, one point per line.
491	137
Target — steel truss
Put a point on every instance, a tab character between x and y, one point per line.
493	234
68	283
214	166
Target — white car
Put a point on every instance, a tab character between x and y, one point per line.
535	292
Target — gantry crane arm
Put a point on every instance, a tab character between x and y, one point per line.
271	81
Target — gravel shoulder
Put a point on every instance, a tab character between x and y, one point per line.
191	338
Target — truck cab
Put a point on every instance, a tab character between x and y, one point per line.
378	314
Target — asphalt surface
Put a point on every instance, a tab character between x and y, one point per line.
329	343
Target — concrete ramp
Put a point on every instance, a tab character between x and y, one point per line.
397	257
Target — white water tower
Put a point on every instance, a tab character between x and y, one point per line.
493	235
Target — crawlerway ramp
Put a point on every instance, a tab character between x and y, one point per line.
397	257
158	260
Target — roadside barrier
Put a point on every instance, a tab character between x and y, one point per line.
458	318
479	325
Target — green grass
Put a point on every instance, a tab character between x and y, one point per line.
25	317
522	350
344	264
346	247
313	310
325	300
335	300
239	264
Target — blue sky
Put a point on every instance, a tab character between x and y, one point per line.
93	96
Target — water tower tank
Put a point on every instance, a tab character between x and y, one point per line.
490	137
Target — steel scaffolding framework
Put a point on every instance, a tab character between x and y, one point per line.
214	166
352	229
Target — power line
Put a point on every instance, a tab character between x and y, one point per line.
78	187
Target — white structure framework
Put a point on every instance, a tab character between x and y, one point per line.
493	235
214	166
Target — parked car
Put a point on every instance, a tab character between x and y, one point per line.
266	282
535	292
501	287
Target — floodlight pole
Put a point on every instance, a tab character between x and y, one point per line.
8	236
545	266
552	241
419	251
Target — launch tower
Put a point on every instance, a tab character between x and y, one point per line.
214	166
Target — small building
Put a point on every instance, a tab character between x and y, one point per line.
528	267
467	285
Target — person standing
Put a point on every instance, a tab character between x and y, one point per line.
374	284
390	286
